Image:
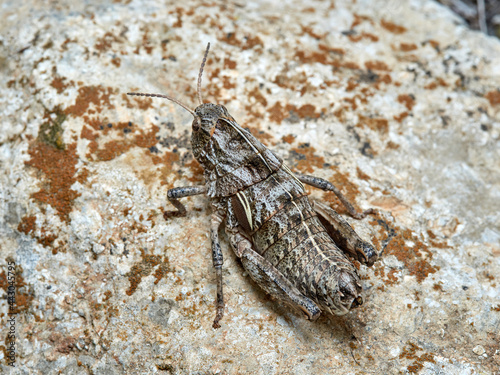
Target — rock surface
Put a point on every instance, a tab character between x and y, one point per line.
397	103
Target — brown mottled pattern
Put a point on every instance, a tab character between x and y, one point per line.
285	230
277	249
288	233
279	224
228	175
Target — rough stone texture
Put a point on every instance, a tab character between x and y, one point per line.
396	102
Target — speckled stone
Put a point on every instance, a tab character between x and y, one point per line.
397	103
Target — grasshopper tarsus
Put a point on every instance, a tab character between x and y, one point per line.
173	196
219	315
365	213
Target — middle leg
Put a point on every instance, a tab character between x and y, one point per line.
269	277
218	260
344	236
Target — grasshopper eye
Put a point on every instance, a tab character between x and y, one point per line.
196	124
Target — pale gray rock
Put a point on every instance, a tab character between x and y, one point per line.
396	102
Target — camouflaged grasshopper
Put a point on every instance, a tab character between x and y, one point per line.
293	249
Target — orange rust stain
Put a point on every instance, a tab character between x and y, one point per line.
179	12
362	175
102	148
168	158
392	146
323	57
257	95
278	113
59	85
399	118
376	65
146	139
249	41
87	95
309	31
103	44
229	64
409	352
358	19
391	278
309	158
351	85
59	168
307	110
24	291
352	102
110	150
144	268
436	83
197	171
338	51
214	73
349	65
378	124
493	97
141	103
87	133
406	47
289	138
392	27
348	189
407	100
438	286
312	57
227	84
28	227
384	78
433	43
298	82
415	257
363	35
116	62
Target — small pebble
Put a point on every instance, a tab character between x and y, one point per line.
479	350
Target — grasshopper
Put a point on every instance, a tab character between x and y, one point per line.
294	249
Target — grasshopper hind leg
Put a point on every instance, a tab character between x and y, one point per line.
271	279
344	236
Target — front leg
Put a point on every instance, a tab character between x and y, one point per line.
181	192
327	186
344	236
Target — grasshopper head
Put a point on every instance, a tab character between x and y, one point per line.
206	117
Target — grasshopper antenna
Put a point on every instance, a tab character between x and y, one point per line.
166	97
201	73
175	100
